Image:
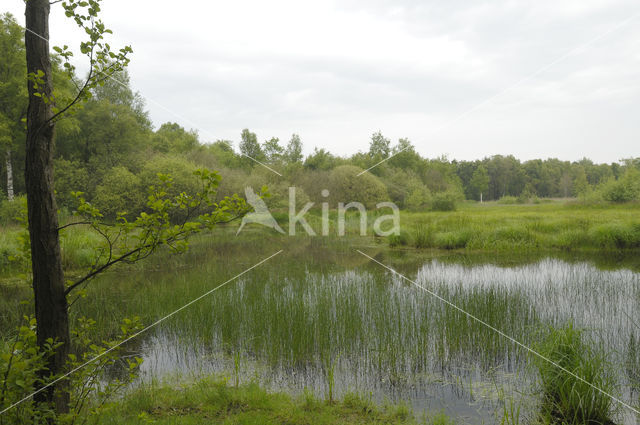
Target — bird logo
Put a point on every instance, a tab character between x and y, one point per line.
260	215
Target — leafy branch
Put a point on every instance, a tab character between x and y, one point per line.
168	221
104	61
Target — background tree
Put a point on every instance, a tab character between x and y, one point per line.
272	150
13	98
321	159
293	153
172	138
380	146
249	147
479	183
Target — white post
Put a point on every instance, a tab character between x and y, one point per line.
9	177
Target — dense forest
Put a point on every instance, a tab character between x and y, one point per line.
110	151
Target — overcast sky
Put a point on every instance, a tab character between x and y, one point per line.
335	72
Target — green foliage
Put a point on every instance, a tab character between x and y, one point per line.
21	360
171	138
446	201
103	61
625	189
119	193
565	398
129	241
321	159
272	150
347	186
380	146
479	184
250	148
11	212
293	153
71	176
89	390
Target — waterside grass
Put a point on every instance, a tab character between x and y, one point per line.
214	401
554	226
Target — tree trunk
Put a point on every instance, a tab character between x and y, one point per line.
48	281
9	176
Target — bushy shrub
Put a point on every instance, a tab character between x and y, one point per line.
625	189
182	176
446	201
180	170
119	191
70	176
345	185
418	197
508	200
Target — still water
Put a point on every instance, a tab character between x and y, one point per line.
324	316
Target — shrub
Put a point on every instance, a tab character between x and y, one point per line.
508	200
445	201
345	185
119	191
180	170
70	176
625	189
418	197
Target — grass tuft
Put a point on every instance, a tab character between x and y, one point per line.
565	398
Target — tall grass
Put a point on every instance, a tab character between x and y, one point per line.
495	227
566	398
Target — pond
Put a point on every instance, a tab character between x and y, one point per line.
322	317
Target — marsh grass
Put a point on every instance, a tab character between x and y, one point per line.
321	300
212	400
496	227
565	398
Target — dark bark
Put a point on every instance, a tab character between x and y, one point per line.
48	280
